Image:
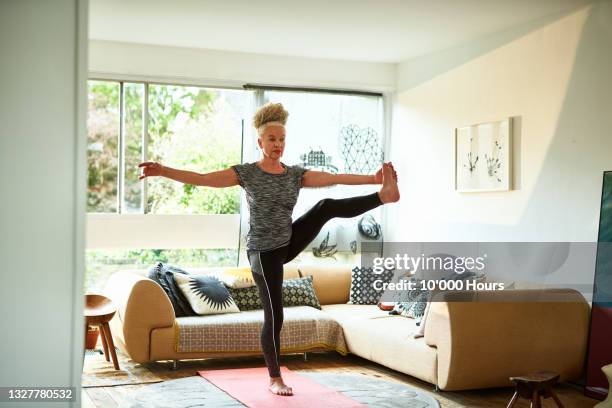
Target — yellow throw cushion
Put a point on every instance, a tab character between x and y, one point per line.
237	277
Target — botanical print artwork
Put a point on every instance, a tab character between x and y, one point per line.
482	157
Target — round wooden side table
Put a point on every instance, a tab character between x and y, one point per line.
99	310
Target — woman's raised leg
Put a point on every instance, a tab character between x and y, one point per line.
306	228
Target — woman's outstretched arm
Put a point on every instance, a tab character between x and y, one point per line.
220	178
314	178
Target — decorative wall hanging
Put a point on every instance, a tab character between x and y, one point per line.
369	228
483	157
324	250
360	149
319	160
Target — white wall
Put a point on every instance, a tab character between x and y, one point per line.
43	189
108	59
554	77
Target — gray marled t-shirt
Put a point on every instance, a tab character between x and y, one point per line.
271	198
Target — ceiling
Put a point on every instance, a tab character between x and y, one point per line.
388	31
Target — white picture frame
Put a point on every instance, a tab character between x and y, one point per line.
483	157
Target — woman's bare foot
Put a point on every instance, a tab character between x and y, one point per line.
389	193
277	386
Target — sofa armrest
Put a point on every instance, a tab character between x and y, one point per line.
142	305
483	341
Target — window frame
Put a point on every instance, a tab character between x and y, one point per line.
145	137
101	222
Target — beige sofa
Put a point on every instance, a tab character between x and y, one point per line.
467	345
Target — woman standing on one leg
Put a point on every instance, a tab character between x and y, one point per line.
273	239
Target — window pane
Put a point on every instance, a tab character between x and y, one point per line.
101	264
337	134
133	95
102	142
195	129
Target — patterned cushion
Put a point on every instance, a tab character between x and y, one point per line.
413	307
300	292
246	298
206	294
412	303
363	291
296	292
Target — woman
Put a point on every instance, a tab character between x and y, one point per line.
272	190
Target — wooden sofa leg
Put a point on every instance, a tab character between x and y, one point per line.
175	364
305	356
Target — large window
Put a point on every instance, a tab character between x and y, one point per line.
185	127
337	133
132	224
191	128
200	130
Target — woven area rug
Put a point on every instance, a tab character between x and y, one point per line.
97	372
196	391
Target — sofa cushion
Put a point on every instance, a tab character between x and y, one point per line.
236	277
373	334
332	283
411	303
206	294
363	289
304	328
300	292
246	298
163	275
296	292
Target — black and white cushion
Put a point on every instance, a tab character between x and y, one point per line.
206	294
300	292
246	298
363	288
413	303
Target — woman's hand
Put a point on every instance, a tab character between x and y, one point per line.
150	169
378	176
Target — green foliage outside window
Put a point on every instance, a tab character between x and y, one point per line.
190	128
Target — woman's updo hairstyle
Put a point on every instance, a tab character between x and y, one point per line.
268	113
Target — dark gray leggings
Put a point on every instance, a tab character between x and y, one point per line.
267	266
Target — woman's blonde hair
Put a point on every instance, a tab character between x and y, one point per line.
270	112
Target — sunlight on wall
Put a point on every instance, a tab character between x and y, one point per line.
527	78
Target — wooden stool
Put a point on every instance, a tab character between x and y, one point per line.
99	310
533	386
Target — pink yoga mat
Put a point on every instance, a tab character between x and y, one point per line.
250	386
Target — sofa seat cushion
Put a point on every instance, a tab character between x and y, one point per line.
345	312
304	328
386	339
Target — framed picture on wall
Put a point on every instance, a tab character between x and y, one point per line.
483	159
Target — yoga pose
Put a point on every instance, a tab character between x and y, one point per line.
272	189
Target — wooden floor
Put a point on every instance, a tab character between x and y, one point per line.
110	397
